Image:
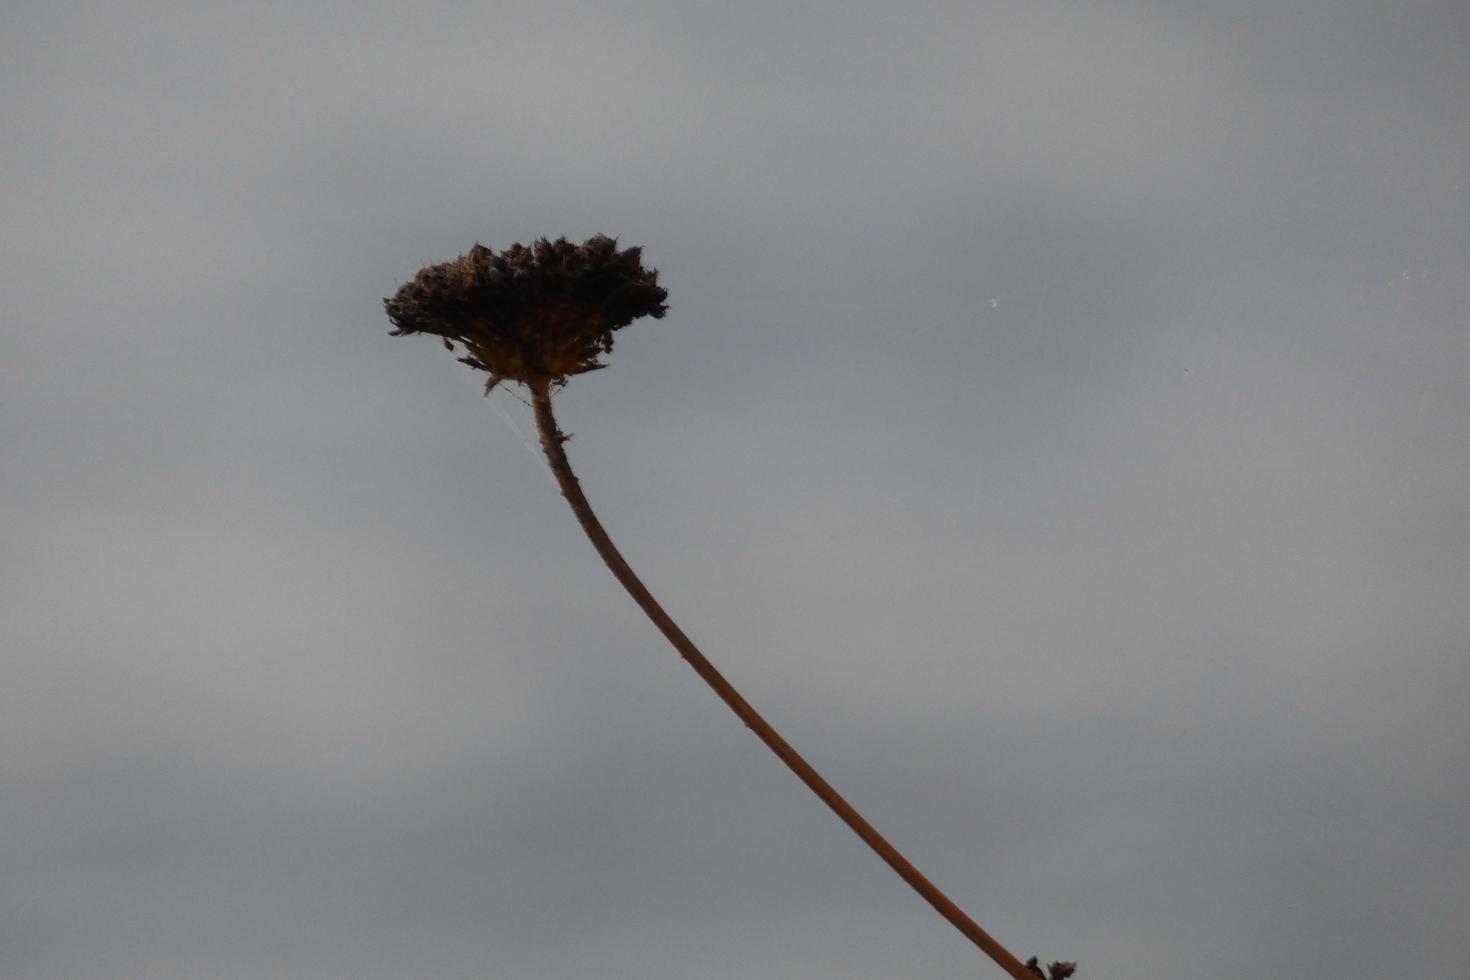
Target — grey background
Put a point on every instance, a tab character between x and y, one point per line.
1059	431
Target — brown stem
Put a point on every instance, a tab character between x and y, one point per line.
551	443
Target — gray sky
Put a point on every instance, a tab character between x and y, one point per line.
1060	431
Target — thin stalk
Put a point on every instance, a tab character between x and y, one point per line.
551	442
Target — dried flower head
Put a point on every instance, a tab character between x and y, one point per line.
1060	970
534	314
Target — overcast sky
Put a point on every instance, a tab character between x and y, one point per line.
1060	431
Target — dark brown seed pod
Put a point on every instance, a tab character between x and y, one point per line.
532	313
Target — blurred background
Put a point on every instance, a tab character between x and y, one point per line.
1060	431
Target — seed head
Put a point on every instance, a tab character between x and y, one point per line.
533	314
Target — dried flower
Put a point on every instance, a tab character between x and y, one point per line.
533	314
541	313
1059	970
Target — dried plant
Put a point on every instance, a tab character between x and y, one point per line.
1059	970
537	315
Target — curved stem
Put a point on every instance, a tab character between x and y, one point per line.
551	443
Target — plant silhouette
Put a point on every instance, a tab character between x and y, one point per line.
537	315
